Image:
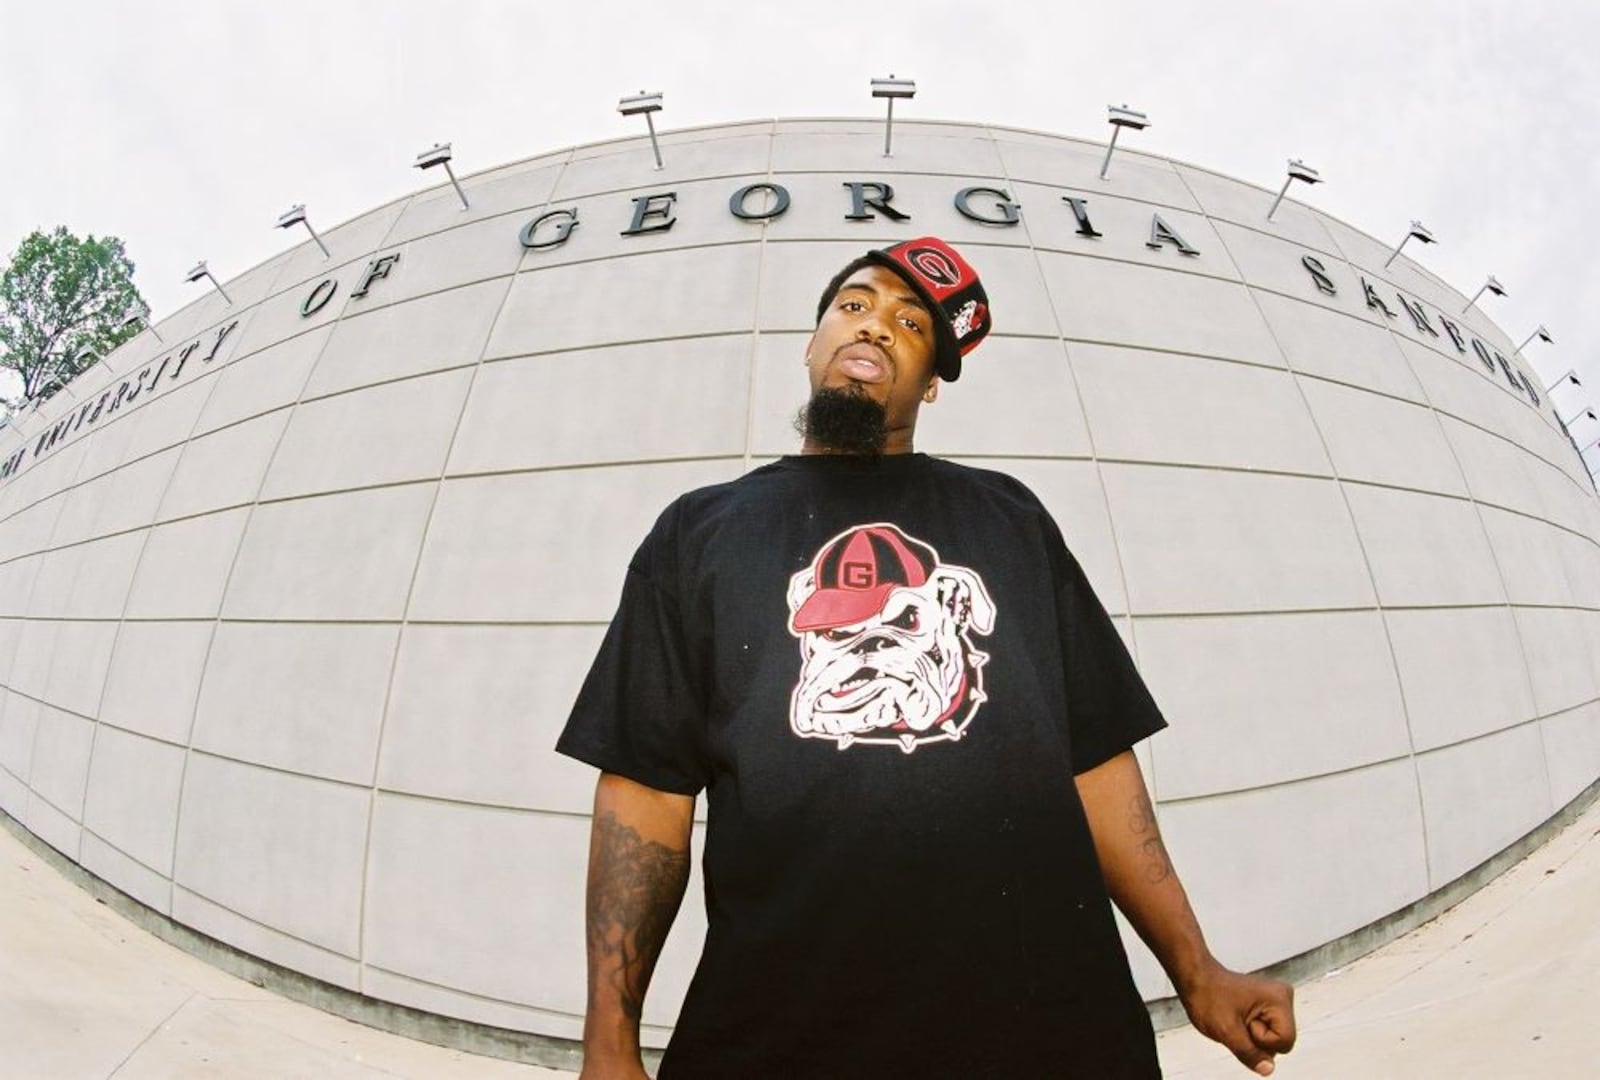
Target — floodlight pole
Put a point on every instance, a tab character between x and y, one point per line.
1491	285
296	215
142	318
1541	333
1566	376
890	89
1418	230
655	147
440	155
646	103
200	271
1120	116
1298	170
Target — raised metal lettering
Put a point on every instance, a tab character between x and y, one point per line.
1319	274
1081	212
860	201
780	202
566	221
652	213
1008	211
1418	316
319	297
376	270
1162	233
1373	300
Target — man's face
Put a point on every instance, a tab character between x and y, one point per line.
876	338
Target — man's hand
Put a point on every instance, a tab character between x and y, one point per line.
1251	1015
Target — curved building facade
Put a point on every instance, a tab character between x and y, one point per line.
295	597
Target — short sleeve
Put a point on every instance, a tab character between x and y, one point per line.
641	711
1109	708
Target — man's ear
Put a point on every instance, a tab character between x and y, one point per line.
931	394
810	344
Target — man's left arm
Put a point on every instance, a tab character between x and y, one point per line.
1251	1015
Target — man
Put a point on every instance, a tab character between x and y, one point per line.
885	671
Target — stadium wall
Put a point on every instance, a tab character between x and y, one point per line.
294	597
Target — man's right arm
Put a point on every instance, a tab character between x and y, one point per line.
638	869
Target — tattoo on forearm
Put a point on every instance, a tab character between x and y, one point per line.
1157	865
635	886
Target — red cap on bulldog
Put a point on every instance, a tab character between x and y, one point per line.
856	572
946	282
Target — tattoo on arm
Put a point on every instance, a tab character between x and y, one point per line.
1157	865
635	886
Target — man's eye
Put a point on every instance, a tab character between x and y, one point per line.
853	305
912	324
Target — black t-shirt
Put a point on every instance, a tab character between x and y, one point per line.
884	674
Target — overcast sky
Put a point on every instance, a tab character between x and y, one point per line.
186	128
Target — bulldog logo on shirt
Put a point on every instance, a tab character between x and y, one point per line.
886	647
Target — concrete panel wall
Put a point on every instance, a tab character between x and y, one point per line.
293	602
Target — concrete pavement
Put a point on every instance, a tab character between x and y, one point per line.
87	995
1504	985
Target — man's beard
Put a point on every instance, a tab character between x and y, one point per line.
844	420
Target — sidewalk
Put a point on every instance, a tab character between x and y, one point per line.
87	995
1505	985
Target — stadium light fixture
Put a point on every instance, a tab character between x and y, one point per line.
1586	411
1121	117
199	271
890	89
81	363
1298	170
648	104
1418	230
1492	285
1569	376
140	316
296	215
1541	333
440	155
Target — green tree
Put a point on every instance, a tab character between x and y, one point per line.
63	303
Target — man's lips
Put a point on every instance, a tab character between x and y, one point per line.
862	362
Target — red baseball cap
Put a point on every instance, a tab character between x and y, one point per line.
855	572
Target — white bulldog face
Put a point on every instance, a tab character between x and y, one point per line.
905	675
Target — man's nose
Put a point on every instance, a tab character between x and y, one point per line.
875	328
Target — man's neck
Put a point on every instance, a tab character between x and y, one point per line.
808	450
894	444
